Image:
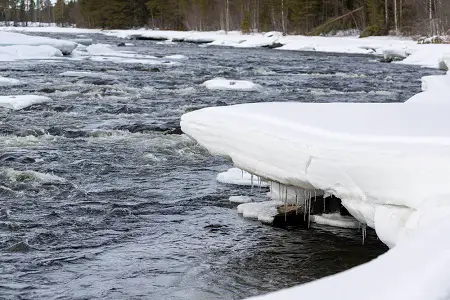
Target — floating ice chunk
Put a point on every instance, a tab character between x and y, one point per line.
84	42
239	177
12	39
231	85
11	53
21	101
176	57
105	50
240	199
395	53
335	220
262	211
5	81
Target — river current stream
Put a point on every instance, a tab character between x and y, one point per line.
98	202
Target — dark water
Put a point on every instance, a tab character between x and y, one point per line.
120	210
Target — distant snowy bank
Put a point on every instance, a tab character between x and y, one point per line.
392	48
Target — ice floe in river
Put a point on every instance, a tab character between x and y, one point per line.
85	74
240	199
231	85
5	81
19	102
17	39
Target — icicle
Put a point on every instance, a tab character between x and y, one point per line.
324	208
296	202
280	195
271	190
242	173
309	208
285	203
364	233
304	206
251	179
259	184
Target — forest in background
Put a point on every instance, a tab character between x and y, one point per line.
372	17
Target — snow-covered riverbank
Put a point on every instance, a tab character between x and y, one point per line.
390	47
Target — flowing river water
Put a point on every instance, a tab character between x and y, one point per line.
97	202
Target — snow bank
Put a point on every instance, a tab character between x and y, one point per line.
431	56
21	101
231	85
15	39
240	177
416	269
5	81
436	89
240	199
372	166
335	220
11	53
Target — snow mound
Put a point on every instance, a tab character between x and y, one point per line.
5	81
13	39
262	211
231	85
335	220
11	53
240	199
21	101
239	177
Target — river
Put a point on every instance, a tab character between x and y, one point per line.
97	202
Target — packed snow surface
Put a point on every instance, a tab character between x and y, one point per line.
19	102
5	81
16	39
240	177
231	85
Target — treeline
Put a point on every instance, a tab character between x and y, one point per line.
25	12
374	17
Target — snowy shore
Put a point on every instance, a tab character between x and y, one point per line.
387	46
